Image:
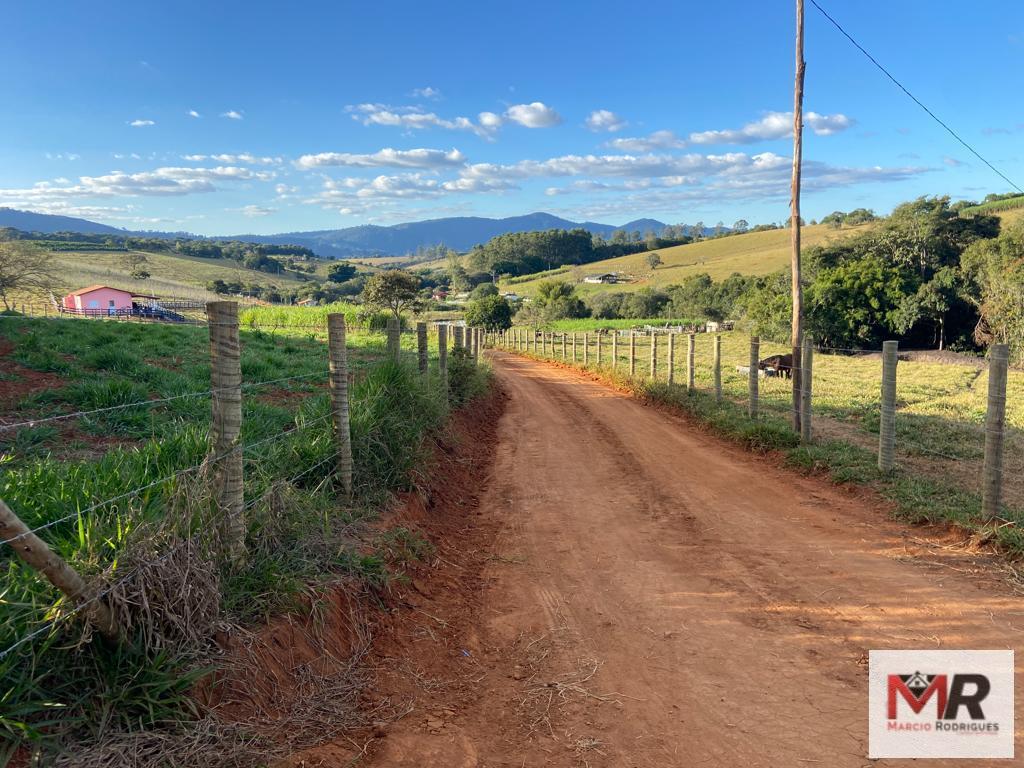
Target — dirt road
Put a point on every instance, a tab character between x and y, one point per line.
655	597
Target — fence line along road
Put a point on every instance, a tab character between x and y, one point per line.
763	395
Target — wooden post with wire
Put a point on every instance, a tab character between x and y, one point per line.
574	346
226	426
586	350
421	347
615	350
654	356
632	353
338	375
671	358
716	364
887	407
597	337
796	330
442	355
691	363
35	553
394	338
995	428
752	375
807	380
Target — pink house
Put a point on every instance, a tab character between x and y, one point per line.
98	299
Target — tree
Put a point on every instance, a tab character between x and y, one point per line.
740	226
557	299
483	290
24	266
491	312
341	272
395	290
653	260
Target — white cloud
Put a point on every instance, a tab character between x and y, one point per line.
232	114
489	120
774	125
426	93
193	113
141	123
534	115
412	118
244	157
657	140
387	157
255	211
605	120
62	156
161	182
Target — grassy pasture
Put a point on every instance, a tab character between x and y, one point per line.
300	532
754	253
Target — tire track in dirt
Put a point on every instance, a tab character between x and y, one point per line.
657	597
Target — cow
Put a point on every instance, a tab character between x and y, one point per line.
777	365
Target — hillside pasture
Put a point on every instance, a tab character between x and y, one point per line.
754	253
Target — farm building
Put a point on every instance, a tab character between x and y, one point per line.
608	278
99	299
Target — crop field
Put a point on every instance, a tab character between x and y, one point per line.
941	398
104	431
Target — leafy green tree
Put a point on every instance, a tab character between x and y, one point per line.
858	303
740	226
341	272
557	299
654	260
491	312
994	273
395	290
483	290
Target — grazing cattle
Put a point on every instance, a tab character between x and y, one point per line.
778	365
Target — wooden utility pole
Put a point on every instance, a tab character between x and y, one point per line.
798	121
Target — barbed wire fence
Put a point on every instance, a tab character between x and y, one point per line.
223	468
852	395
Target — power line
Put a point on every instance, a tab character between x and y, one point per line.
916	100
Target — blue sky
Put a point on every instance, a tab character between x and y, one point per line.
231	117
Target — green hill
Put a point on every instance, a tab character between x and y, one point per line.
755	253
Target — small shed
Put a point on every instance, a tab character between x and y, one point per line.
608	278
99	299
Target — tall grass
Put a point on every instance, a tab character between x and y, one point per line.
63	684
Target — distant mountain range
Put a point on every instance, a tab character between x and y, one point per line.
460	233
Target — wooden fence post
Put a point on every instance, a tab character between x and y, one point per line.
755	344
691	343
806	381
887	408
457	332
226	426
717	364
598	338
421	346
442	355
632	353
338	367
995	426
34	552
574	346
615	349
563	347
671	357
394	338
586	350
654	356
476	345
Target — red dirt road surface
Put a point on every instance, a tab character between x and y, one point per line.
648	595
